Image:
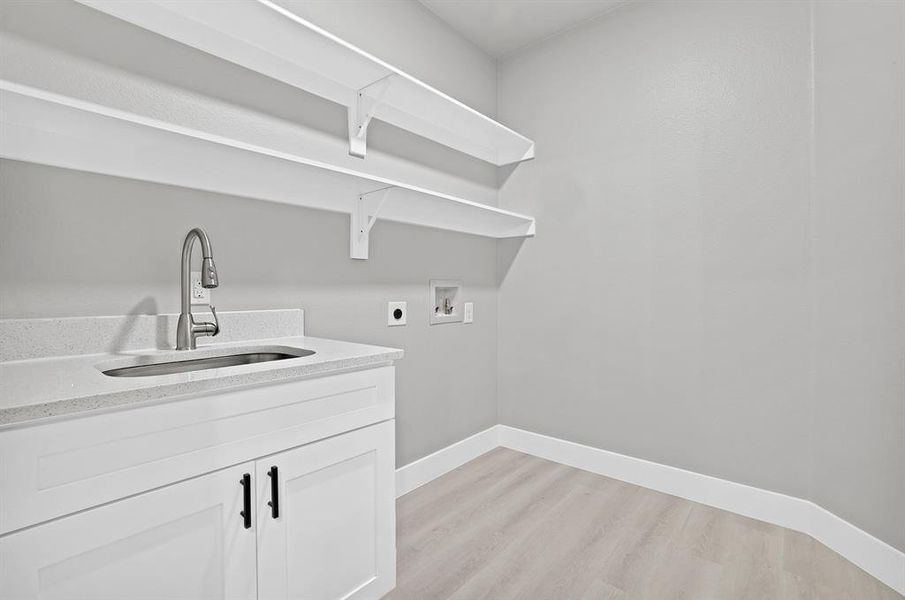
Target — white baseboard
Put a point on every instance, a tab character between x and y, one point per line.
748	501
423	470
874	556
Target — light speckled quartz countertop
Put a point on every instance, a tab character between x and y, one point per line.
40	388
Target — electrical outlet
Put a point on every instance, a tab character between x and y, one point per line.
397	313
200	294
468	309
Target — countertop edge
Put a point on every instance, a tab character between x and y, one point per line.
41	412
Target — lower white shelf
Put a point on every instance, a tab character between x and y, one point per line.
42	127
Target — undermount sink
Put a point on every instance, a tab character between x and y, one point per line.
208	362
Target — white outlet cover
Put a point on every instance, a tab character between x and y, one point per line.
199	295
392	307
468	309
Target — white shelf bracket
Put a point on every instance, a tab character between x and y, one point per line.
361	223
361	111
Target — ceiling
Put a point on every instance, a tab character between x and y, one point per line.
499	27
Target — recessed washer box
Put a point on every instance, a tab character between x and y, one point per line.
446	301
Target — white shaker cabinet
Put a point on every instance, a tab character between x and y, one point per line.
184	541
331	532
273	492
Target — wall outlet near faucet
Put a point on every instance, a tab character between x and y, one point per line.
396	314
200	294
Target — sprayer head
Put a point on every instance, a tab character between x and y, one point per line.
209	273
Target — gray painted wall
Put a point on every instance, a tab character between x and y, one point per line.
716	284
858	442
79	244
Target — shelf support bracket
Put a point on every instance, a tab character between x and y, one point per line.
361	111
361	223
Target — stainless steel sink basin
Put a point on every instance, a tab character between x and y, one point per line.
208	362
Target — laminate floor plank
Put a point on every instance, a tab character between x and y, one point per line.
509	526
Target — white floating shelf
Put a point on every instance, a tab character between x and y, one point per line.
267	38
45	128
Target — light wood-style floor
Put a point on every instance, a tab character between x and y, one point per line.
509	525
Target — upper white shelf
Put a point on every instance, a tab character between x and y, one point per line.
46	128
267	38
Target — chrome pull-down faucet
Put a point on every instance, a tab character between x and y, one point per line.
187	330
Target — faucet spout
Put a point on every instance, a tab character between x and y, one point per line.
187	330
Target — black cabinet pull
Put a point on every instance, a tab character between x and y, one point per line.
274	503
246	500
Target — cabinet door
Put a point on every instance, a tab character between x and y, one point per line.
335	534
183	541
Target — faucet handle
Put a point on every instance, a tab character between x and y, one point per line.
216	321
